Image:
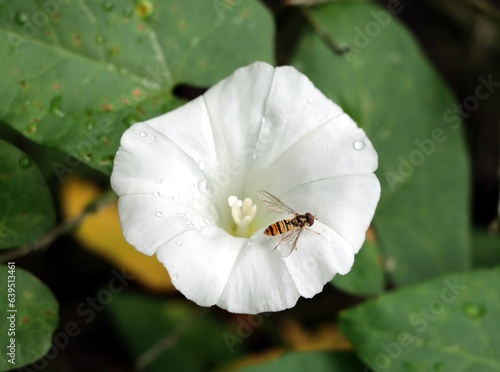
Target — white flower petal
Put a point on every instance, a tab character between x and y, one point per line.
318	258
327	151
346	204
148	222
260	280
199	263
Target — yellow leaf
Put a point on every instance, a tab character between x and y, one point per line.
101	234
324	337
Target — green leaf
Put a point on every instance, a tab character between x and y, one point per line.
78	73
449	323
317	361
486	251
169	332
367	276
34	315
27	210
389	88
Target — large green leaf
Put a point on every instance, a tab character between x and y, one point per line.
76	74
389	88
169	332
30	316
449	323
317	361
26	205
367	276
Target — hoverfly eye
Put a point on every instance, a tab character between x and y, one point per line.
310	218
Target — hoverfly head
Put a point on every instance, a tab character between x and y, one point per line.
310	218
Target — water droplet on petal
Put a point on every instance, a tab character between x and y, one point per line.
153	138
158	181
263	120
24	162
156	194
206	221
278	87
159	214
179	243
175	277
186	225
325	148
202	164
310	100
359	145
203	186
197	226
205	144
473	310
143	134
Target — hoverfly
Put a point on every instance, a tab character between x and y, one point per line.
292	227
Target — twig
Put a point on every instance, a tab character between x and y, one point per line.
47	239
323	33
168	341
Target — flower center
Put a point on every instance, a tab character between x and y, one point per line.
243	213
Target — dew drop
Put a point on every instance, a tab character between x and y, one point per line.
205	144
325	148
310	100
202	186
197	226
473	310
153	138
108	6
179	243
206	221
359	145
143	134
90	125
175	277
158	181
55	107
99	39
202	164
156	194
21	18
278	87
159	214
263	120
186	225
24	162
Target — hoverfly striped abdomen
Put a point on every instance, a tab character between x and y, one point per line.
283	226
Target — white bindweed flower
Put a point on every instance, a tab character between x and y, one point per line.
187	183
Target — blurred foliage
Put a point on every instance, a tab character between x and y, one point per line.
77	74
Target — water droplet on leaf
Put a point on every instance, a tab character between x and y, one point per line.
24	162
359	145
21	18
108	6
99	39
473	310
55	107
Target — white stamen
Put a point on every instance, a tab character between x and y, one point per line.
243	213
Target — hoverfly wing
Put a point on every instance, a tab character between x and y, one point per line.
273	203
288	243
